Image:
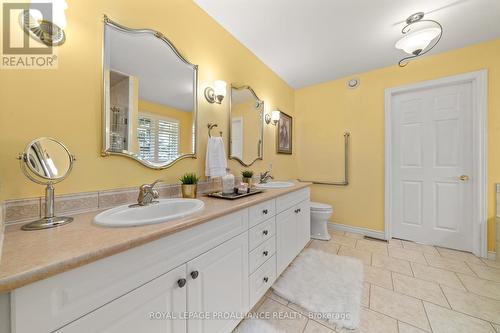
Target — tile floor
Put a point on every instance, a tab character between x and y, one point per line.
409	288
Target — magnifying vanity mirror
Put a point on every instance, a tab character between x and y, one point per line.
150	102
246	126
47	161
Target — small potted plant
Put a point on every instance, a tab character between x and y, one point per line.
247	177
189	185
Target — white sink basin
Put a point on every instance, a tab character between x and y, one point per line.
272	185
163	211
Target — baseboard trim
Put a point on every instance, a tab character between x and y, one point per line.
492	255
357	230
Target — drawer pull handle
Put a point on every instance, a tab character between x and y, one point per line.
194	274
265	211
265	232
266	279
265	253
181	283
297	211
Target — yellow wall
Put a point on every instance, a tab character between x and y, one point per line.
325	110
184	118
66	103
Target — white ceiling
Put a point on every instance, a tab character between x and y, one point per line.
311	41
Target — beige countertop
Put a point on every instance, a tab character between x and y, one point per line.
30	256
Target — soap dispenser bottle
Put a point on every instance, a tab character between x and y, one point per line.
228	183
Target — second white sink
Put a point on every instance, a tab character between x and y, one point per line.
276	184
163	211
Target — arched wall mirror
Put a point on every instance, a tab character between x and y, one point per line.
245	126
150	97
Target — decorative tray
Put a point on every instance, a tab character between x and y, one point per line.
233	196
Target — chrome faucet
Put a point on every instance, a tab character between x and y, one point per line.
147	194
265	177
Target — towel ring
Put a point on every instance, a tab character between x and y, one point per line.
210	127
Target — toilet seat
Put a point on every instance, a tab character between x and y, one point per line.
320	207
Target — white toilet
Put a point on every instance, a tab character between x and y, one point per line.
320	213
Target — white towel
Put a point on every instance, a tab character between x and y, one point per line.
216	162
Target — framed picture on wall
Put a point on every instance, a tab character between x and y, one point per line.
284	134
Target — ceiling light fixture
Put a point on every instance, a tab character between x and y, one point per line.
419	37
48	27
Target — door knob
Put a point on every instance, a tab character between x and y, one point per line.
464	178
194	274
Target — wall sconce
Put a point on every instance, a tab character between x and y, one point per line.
217	93
418	34
48	30
273	117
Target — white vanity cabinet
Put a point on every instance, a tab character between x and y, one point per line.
293	227
223	266
218	283
215	282
144	309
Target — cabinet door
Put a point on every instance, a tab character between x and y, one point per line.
218	283
150	309
286	239
303	225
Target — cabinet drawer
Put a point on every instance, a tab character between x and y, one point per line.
260	233
261	280
263	252
291	199
261	212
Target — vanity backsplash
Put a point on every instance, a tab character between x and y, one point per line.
24	210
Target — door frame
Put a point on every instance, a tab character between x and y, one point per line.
479	81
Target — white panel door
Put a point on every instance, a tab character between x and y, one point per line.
218	283
237	137
156	307
286	239
431	166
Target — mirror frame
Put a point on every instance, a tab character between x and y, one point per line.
261	115
106	116
33	174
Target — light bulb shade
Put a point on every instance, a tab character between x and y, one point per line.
414	42
275	116
34	18
220	88
58	12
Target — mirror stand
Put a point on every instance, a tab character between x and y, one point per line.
47	161
50	220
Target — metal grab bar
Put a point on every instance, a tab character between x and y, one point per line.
345	182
